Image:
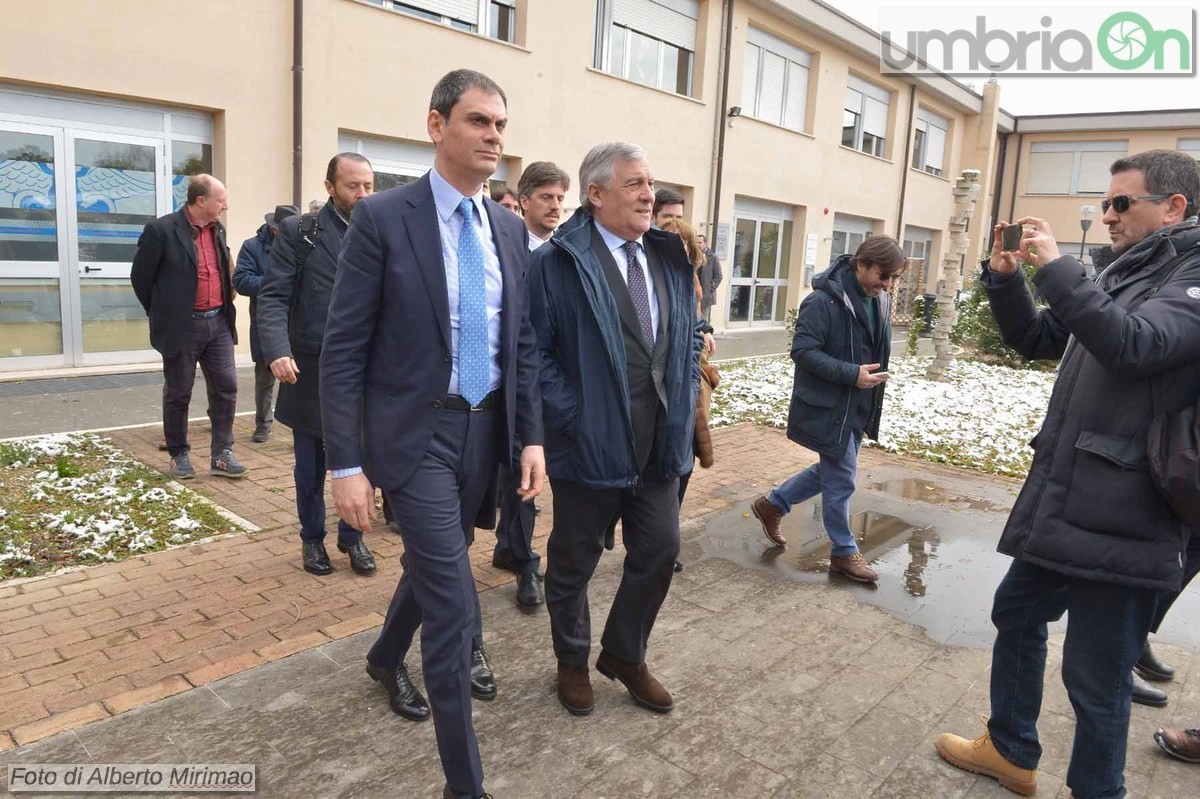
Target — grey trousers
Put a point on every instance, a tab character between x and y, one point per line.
264	394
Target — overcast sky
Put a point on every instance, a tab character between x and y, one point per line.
1049	95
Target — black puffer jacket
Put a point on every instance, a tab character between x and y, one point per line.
831	341
1130	347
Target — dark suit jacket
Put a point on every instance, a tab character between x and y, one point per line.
164	278
386	360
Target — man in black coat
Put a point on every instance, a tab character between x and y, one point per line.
841	347
181	276
1090	535
247	279
293	303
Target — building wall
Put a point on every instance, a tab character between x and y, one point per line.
368	72
1062	211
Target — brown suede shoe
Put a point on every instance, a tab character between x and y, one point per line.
980	756
1183	744
645	690
575	689
770	516
853	566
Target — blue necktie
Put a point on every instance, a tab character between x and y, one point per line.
474	367
638	292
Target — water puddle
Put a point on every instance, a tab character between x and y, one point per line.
925	491
938	566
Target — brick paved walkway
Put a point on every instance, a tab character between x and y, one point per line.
81	646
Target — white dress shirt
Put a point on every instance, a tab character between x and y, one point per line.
450	222
616	246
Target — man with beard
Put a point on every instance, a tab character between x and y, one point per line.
291	315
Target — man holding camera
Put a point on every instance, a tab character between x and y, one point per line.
1090	536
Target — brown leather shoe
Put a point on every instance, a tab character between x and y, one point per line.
769	515
853	566
575	689
1183	744
645	690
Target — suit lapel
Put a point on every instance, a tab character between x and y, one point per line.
620	290
662	293
424	233
511	253
183	232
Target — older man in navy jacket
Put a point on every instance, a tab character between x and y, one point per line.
428	373
617	330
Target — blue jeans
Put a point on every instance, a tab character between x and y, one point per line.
1106	628
833	479
309	472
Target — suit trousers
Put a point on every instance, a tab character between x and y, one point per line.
309	472
649	518
211	345
514	532
264	394
435	511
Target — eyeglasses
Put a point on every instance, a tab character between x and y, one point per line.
1121	202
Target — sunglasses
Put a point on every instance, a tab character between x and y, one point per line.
1121	202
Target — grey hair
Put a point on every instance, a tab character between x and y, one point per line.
599	167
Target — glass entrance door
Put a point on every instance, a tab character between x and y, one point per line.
758	277
118	185
32	244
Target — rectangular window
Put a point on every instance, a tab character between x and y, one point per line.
775	80
494	18
652	42
1063	167
1191	147
929	142
865	117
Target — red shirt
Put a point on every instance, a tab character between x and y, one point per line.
209	292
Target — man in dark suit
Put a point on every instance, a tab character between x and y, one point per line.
291	318
614	313
428	373
181	276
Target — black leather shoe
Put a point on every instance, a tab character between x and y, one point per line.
504	562
483	681
529	591
403	697
361	559
1151	668
316	559
1146	694
449	794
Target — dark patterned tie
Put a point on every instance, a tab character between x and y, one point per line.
638	291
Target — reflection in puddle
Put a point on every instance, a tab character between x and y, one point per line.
876	534
924	491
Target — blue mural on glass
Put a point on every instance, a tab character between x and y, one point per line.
28	229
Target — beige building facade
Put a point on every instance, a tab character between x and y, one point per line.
770	116
1057	167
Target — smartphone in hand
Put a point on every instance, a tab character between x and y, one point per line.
1010	238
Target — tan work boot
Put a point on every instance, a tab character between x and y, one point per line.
770	516
853	566
980	756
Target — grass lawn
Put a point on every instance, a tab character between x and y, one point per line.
74	499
